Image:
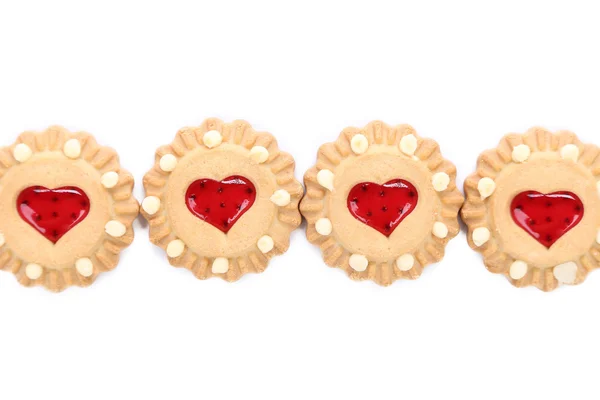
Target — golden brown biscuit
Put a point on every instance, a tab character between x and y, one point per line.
381	203
222	199
533	208
66	208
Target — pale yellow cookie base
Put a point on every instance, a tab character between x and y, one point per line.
381	165
53	170
219	163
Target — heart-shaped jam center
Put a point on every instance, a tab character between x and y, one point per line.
223	203
382	207
546	217
53	212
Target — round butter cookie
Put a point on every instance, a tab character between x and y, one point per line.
222	200
66	208
381	203
533	208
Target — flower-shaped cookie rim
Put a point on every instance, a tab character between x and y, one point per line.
117	182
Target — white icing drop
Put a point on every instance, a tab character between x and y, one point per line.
175	248
486	187
151	205
281	198
84	267
408	144
569	152
168	162
521	153
22	152
359	143
115	229
265	244
220	265
405	262
481	236
440	230
72	148
212	139
440	181
33	271
259	154
109	180
323	226
566	273
518	269
358	262
325	178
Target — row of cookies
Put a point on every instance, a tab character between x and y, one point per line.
221	200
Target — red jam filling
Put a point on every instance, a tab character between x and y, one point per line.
547	217
53	212
223	203
383	207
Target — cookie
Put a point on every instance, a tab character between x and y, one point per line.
533	208
381	203
66	209
222	199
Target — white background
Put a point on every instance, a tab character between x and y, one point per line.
464	73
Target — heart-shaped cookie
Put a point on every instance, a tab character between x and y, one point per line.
53	212
383	207
547	217
220	203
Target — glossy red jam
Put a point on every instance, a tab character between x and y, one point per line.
53	212
547	217
383	207
221	204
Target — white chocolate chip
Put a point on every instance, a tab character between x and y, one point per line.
566	273
481	236
518	269
440	181
521	153
281	198
220	265
359	143
358	262
168	162
265	244
405	262
72	148
115	228
33	271
22	152
175	248
440	230
151	205
323	226
597	238
85	267
569	152
486	187
109	180
325	178
3	240
408	144
259	154
212	139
